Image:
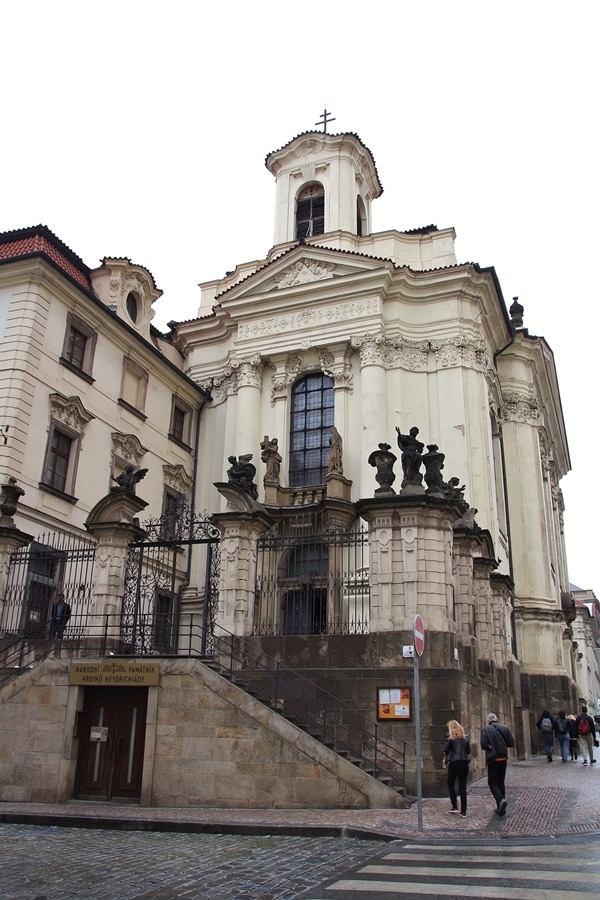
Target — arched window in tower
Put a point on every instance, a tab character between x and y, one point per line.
310	212
361	217
310	429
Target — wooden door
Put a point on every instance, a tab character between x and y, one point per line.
111	753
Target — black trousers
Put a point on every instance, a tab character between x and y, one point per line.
458	770
496	776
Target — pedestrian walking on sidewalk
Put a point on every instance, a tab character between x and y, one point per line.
495	740
587	736
547	726
457	754
573	737
562	734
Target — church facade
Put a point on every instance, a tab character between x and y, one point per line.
377	334
372	435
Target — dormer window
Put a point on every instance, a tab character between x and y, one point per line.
310	212
133	307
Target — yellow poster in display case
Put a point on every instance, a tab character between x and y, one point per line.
394	703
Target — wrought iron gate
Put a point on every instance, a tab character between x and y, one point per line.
54	563
158	567
312	578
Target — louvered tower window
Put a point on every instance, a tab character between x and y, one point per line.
310	431
310	212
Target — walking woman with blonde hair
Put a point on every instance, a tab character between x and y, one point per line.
457	754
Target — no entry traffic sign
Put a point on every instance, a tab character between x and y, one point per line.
419	635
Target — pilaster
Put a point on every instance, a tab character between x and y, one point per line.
241	524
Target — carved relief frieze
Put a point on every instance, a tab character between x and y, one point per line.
460	351
177	478
304	271
308	148
518	408
222	386
308	318
320	360
411	355
127	447
70	411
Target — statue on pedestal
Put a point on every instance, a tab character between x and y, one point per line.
272	458
241	474
412	450
383	461
11	494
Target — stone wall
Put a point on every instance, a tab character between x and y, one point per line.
354	667
208	743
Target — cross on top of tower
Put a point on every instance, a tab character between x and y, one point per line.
324	117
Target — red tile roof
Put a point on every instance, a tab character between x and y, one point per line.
40	241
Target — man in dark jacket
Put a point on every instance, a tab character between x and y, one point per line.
60	615
495	740
587	736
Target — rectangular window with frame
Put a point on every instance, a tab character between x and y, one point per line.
181	418
61	459
79	347
134	386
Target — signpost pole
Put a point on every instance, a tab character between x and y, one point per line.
419	644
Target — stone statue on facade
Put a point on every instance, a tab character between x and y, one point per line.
129	479
11	494
452	491
272	458
412	450
334	463
433	461
241	474
383	460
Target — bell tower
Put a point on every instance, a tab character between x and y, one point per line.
325	183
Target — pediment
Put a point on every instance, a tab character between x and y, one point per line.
306	265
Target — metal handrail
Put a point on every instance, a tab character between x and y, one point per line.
333	721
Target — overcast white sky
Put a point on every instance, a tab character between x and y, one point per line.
140	129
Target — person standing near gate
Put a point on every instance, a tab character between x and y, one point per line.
495	740
61	613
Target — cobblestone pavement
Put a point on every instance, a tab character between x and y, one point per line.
143	853
54	863
542	799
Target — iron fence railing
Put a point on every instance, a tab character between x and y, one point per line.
350	731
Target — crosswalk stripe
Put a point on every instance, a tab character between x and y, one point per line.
521	850
487	892
521	860
464	872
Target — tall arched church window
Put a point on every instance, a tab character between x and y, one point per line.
310	212
310	429
361	218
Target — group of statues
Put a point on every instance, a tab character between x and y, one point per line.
412	458
242	471
412	455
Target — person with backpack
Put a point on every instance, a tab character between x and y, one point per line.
586	728
457	756
495	740
547	727
563	735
